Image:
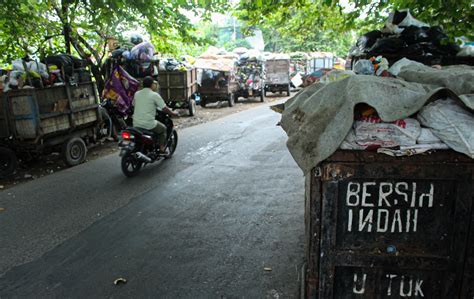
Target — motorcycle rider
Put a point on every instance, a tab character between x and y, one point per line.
146	102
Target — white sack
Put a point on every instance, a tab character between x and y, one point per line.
451	123
403	132
427	137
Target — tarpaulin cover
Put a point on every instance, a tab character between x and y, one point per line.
318	119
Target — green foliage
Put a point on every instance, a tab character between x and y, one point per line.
47	26
309	25
231	45
301	26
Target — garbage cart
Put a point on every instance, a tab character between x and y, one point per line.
250	76
178	89
277	76
217	86
37	120
385	227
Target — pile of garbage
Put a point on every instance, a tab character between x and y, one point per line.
53	70
215	67
249	67
407	36
139	60
414	109
172	64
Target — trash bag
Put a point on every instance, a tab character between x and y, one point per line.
414	34
136	39
451	123
68	62
143	51
366	41
403	18
467	51
442	42
117	53
364	67
388	45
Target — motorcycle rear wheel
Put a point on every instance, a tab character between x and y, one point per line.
130	165
172	144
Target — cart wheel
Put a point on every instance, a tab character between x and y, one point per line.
74	151
262	97
231	100
8	162
203	103
192	107
288	90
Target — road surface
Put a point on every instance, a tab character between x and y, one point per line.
222	219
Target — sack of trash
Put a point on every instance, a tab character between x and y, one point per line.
450	122
406	115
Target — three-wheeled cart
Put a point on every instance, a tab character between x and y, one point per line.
36	121
277	76
222	88
178	89
250	76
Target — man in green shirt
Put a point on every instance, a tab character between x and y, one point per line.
146	102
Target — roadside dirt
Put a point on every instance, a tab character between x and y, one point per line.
52	163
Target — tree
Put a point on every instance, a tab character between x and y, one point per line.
82	26
326	24
304	27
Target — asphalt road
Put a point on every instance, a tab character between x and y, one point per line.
222	219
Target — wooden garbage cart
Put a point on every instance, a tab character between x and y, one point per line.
36	121
223	89
390	227
178	89
277	76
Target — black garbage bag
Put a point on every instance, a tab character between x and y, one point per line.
440	40
366	41
399	16
413	50
388	45
118	53
414	34
68	62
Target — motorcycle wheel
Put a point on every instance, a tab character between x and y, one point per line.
172	144
130	165
8	162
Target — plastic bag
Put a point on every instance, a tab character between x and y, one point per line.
366	41
403	18
372	132
388	45
143	51
414	34
467	51
364	67
397	66
451	123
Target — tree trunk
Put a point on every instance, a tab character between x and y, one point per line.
66	28
95	67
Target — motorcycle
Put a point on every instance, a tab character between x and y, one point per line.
140	147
